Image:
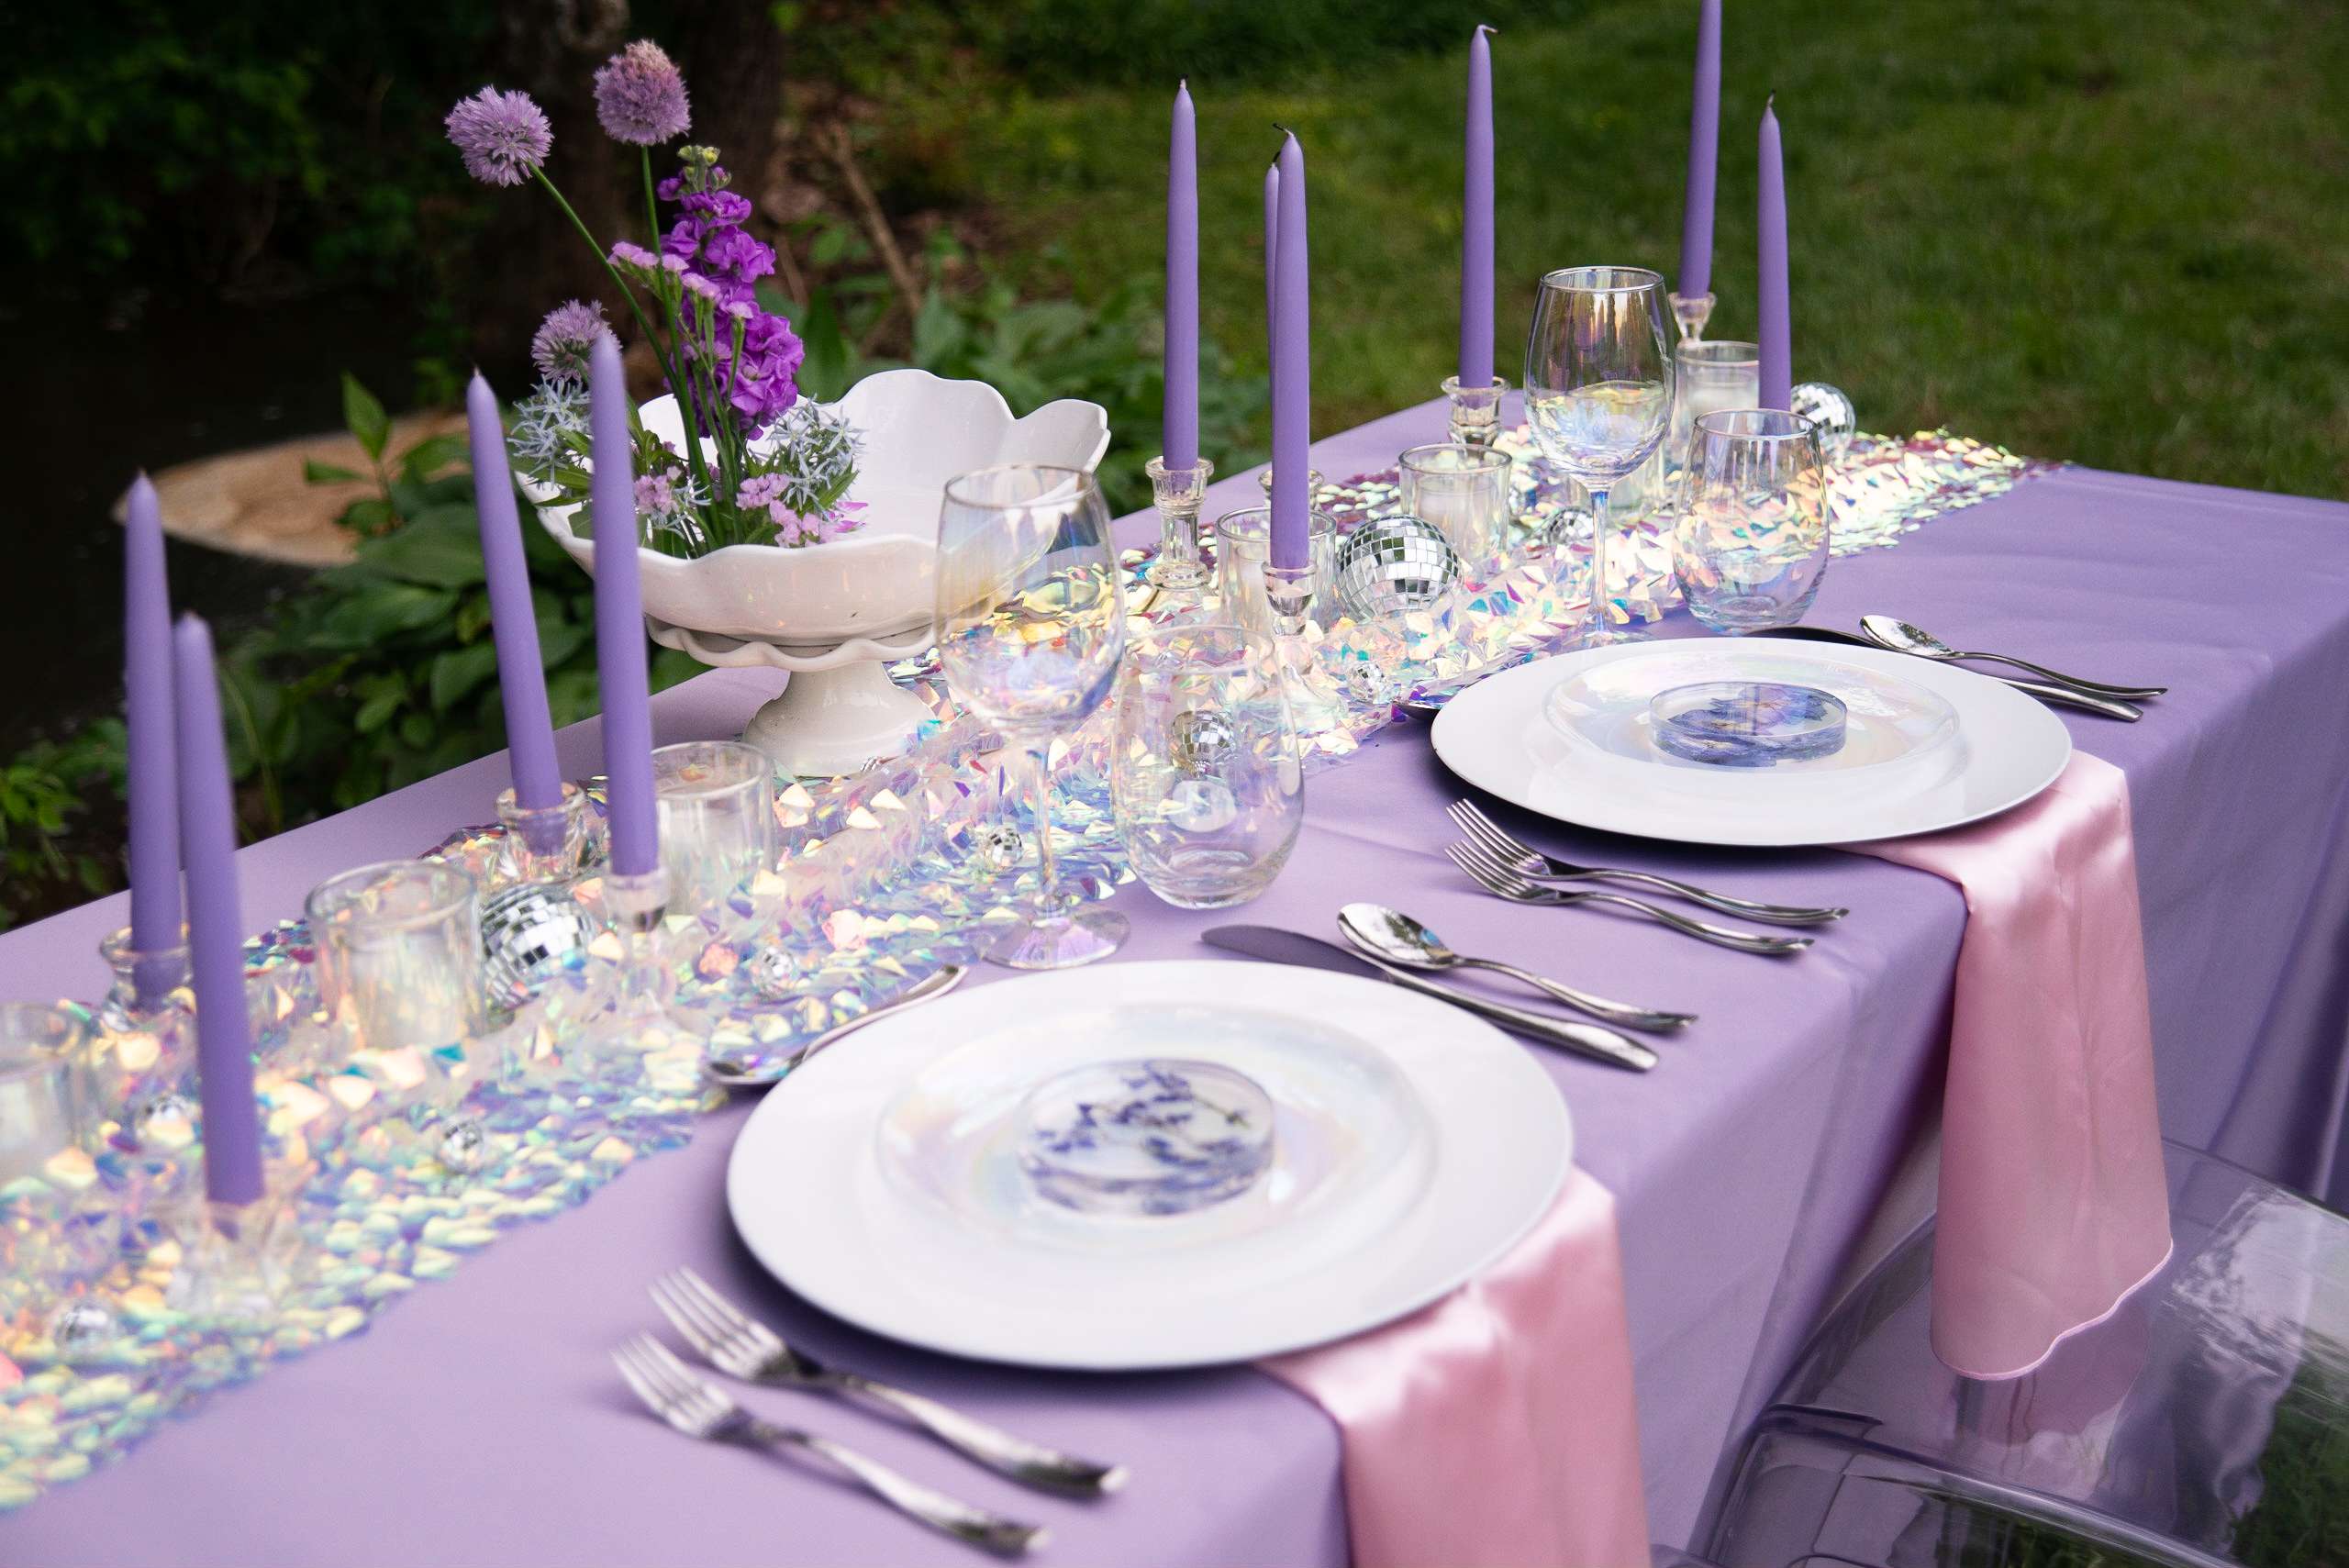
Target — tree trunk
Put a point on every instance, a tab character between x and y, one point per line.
533	256
732	54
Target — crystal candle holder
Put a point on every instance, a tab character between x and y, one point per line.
1243	542
545	843
1475	412
1314	483
141	1048
1464	490
1178	493
1690	315
399	962
636	908
715	802
239	1261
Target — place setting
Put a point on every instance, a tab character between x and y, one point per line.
941	958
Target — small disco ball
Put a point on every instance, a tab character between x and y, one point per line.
464	1144
1200	741
528	933
1372	685
1829	408
997	845
80	1326
165	1121
773	973
1393	564
1569	526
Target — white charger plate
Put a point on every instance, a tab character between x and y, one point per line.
1464	1151
1498	736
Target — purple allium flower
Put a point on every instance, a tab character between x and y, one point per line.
504	136
565	339
641	97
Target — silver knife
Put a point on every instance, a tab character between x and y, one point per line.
1273	945
2046	691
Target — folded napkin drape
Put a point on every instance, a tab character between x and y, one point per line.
2054	1203
1496	1427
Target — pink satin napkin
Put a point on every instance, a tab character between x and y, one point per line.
2053	1205
1496	1428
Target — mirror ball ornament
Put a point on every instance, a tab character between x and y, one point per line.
464	1144
80	1326
528	932
773	974
1393	564
1829	407
996	844
1372	685
1200	742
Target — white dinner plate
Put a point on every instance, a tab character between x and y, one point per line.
1413	1146
1562	737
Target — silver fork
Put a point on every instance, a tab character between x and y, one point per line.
740	1346
1496	878
699	1409
1535	866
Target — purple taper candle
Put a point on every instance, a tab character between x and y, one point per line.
1777	316
147	717
521	672
1704	152
1292	371
1272	242
621	674
224	1048
1476	221
1181	433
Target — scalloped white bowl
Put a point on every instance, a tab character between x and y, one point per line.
835	614
919	430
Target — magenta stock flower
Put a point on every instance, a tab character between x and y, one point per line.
565	339
641	97
504	137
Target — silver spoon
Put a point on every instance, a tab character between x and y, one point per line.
1393	937
736	1074
1901	636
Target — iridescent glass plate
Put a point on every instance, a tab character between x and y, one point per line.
1412	1145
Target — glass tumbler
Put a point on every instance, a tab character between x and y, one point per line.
400	955
1465	491
45	1109
1205	774
1243	542
1710	375
718	828
1750	547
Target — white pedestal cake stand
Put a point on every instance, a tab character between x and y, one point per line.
839	714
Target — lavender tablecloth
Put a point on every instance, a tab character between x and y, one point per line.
479	1422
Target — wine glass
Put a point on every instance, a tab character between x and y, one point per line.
1598	393
1750	546
1031	626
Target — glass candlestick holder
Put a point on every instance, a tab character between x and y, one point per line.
636	908
1690	315
142	1047
1475	412
1243	542
1316	706
239	1261
1178	493
545	843
1314	482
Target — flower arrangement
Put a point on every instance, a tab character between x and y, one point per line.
770	468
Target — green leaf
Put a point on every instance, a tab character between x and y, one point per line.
416	730
938	331
370	514
364	417
823	374
439	548
316	472
381	610
433	453
457	671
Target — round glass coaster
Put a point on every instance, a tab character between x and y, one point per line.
1747	724
1157	1136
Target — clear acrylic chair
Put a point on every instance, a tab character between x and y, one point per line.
2210	1413
1808	1499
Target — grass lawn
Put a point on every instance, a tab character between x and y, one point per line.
2109	230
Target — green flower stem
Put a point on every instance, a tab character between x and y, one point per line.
693	442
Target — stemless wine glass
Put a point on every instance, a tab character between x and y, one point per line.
1750	547
1598	393
1205	773
1030	624
716	805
